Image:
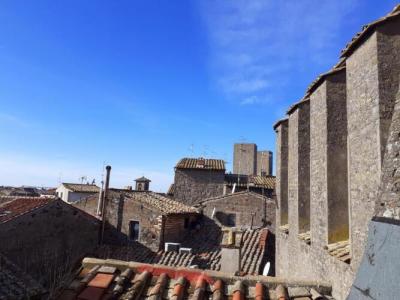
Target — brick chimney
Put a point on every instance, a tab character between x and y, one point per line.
231	252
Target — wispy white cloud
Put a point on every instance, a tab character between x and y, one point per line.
256	45
13	120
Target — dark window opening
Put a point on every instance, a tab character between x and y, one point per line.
134	228
186	223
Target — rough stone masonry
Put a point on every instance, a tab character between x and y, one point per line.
350	113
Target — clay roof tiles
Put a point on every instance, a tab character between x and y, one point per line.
367	30
82	188
206	252
15	284
20	206
201	163
132	280
266	182
161	203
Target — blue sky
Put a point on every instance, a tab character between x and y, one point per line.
140	84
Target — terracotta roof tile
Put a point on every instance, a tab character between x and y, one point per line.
201	163
22	205
154	282
15	284
367	29
81	188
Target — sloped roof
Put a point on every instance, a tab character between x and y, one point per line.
22	205
266	182
161	203
279	122
82	188
171	190
206	251
116	279
201	163
367	30
238	194
15	284
143	179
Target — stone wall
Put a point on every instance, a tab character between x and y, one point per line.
49	241
195	185
351	120
264	163
245	159
249	209
372	84
154	228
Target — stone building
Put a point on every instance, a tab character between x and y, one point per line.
145	217
330	153
243	210
45	236
72	192
197	179
142	184
264	163
245	159
262	185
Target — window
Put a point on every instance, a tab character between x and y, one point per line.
186	223
231	220
134	228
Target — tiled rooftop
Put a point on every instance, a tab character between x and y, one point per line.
206	252
161	203
367	29
201	163
82	188
15	284
266	182
20	206
113	279
340	250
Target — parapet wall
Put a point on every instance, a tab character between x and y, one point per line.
331	151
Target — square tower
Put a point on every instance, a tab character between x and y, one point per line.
245	159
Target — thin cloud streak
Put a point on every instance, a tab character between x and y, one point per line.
256	45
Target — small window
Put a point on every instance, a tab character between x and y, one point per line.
186	223
231	220
134	228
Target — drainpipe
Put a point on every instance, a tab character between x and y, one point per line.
104	203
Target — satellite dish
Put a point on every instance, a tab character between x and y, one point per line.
266	269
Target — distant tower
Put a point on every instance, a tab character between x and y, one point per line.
142	184
264	163
245	159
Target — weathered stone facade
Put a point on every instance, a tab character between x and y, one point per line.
194	185
245	159
351	109
48	241
246	209
264	163
155	227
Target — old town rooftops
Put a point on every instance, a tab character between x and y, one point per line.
81	188
157	202
201	163
205	251
266	182
115	279
15	284
22	205
367	30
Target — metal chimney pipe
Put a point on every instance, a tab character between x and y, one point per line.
104	202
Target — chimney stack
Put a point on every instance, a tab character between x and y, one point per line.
230	252
104	202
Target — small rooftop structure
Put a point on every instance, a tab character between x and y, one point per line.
201	163
142	184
